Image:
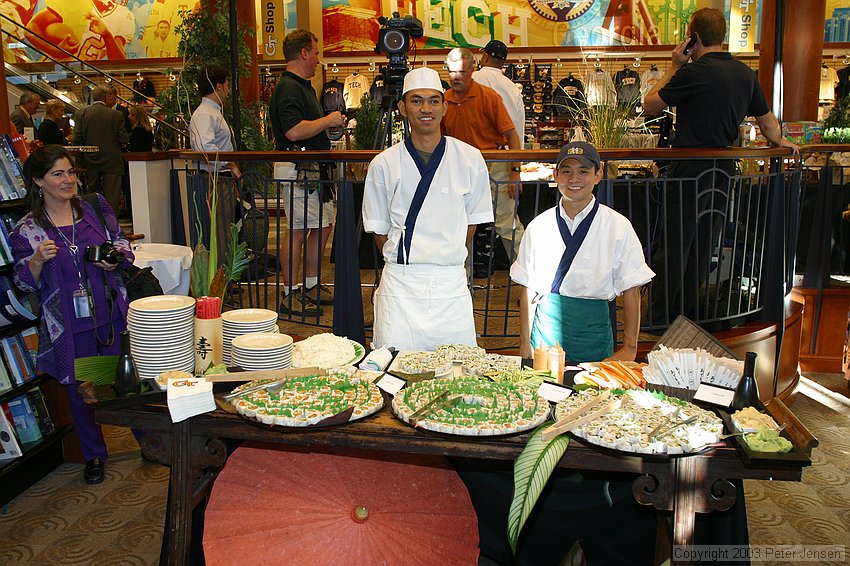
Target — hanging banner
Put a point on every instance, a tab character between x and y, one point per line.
742	26
270	28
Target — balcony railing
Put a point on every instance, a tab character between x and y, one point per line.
722	242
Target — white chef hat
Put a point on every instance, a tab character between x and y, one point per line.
423	77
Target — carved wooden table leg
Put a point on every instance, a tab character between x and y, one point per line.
195	461
686	488
686	494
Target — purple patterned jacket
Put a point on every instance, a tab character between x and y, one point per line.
55	345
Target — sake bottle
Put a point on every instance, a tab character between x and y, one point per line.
126	373
747	394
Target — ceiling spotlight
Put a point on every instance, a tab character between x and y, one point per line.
77	80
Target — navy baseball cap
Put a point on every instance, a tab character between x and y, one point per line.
582	152
496	49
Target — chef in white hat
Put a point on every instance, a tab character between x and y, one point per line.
423	198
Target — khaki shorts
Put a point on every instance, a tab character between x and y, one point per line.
301	197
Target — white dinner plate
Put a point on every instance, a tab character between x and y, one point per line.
162	303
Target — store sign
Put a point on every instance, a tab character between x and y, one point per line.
271	29
742	26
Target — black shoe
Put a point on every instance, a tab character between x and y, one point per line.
318	295
94	471
298	309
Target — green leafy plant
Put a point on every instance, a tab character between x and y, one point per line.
836	127
209	276
532	470
204	40
367	122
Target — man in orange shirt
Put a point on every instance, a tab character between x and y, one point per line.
477	115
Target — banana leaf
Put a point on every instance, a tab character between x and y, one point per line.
532	470
99	370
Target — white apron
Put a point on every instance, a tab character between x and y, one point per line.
420	307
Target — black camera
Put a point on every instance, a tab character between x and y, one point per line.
105	252
394	36
394	40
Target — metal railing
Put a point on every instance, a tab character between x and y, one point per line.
719	228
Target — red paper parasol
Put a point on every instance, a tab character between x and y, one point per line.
283	507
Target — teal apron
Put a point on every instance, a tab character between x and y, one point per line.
582	327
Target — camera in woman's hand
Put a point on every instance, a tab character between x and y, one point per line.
105	252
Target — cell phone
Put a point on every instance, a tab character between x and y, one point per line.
691	44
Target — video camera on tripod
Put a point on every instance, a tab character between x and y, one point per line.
394	39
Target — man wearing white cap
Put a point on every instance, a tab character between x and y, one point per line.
422	201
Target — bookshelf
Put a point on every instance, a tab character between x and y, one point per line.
30	422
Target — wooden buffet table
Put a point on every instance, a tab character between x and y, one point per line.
196	452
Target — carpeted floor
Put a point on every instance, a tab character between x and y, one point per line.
61	520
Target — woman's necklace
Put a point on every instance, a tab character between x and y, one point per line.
72	243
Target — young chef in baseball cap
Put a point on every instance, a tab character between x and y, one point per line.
573	260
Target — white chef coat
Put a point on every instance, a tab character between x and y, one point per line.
609	261
426	303
511	96
459	196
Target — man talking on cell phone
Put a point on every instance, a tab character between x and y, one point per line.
712	95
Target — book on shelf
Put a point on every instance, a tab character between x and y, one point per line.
9	447
24	420
6	382
29	362
12	310
30	338
16	360
42	415
13	165
6	256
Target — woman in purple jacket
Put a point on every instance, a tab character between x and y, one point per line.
83	304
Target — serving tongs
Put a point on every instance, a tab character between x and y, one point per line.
675	415
428	407
277	377
581	415
664	432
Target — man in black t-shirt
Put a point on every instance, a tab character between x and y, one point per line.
712	96
299	122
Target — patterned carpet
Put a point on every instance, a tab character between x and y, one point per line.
61	520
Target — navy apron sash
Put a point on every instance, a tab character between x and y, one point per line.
572	242
426	173
581	326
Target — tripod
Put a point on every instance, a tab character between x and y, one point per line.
387	118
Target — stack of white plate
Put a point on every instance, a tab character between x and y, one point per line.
162	329
261	351
244	321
